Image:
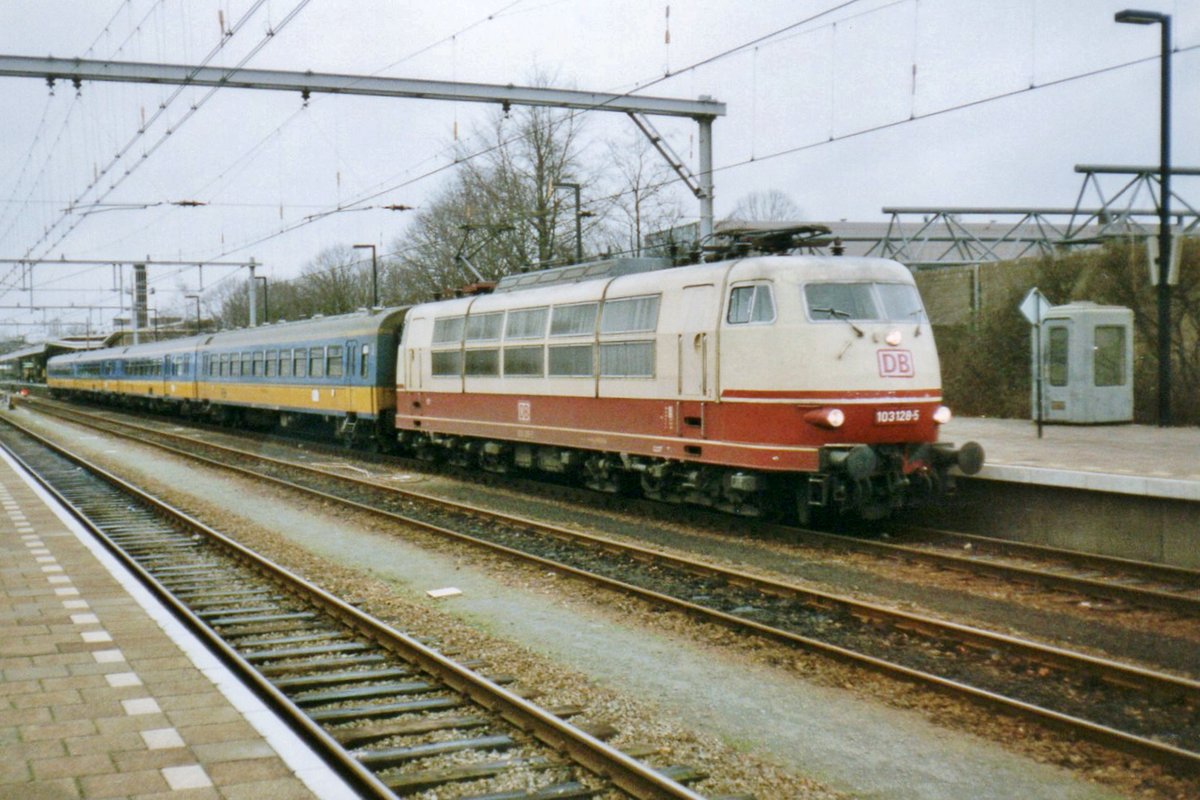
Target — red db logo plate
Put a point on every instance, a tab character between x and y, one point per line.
895	363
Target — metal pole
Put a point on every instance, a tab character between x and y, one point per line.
706	177
1164	233
374	274
253	296
578	229
1139	17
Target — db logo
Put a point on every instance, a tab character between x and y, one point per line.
895	363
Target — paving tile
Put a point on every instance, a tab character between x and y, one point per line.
191	776
74	767
251	770
281	789
123	784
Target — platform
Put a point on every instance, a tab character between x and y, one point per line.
104	694
1120	459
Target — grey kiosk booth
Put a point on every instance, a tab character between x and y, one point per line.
1087	364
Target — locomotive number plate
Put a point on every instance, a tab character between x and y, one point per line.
897	416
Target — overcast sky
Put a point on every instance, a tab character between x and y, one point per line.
802	106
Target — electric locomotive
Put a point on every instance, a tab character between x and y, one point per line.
742	384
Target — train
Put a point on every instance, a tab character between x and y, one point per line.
770	384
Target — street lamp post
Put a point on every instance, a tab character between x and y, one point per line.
578	219
374	274
1135	17
195	297
266	307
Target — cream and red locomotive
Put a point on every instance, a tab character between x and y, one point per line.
742	384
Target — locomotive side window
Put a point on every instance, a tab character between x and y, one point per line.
571	360
627	360
528	323
483	362
629	315
447	329
752	303
573	320
523	361
446	363
485	327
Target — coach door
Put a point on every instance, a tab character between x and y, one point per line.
693	344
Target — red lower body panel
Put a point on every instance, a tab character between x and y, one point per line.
760	434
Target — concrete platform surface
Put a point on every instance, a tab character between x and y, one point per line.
1123	459
104	694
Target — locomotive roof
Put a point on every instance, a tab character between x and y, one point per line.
800	268
361	324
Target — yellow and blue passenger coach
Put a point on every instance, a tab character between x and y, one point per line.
337	373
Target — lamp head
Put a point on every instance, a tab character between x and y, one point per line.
1136	17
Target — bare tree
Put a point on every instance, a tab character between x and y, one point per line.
769	205
501	212
642	200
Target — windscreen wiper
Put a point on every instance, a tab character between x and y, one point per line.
839	314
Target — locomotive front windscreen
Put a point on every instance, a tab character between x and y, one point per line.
881	302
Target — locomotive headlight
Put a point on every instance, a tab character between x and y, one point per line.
826	417
942	415
894	338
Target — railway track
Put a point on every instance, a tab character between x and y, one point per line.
392	715
1153	715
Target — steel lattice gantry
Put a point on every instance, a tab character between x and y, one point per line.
703	111
924	237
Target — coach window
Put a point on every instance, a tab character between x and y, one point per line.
272	365
630	315
523	361
528	323
447	329
573	320
247	364
285	363
751	304
364	360
316	362
259	363
572	361
333	361
485	327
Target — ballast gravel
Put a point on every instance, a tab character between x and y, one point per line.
760	718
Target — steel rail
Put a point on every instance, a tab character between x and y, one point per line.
626	773
1090	587
1158	684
